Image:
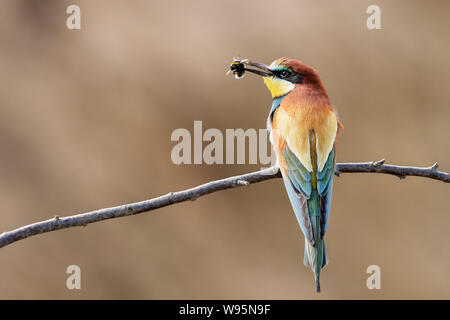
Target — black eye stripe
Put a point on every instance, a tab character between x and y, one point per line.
282	73
288	75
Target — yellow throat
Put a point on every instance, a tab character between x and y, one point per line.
278	87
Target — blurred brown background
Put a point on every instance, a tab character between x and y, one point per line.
85	123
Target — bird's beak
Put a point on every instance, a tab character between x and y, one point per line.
263	69
238	67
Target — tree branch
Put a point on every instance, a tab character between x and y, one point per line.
84	219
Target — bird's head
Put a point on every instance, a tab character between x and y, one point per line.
282	75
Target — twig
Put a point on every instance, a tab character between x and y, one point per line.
84	219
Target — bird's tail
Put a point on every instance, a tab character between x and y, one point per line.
316	258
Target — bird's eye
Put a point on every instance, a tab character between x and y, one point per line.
284	74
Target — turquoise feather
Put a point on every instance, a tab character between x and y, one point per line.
311	206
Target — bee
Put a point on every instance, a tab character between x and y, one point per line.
237	67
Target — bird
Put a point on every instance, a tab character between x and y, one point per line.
303	128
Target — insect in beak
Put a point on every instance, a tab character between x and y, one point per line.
238	68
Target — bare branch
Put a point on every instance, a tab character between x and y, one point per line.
399	171
84	219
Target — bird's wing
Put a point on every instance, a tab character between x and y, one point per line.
325	189
297	180
292	142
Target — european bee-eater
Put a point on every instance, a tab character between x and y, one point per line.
303	128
